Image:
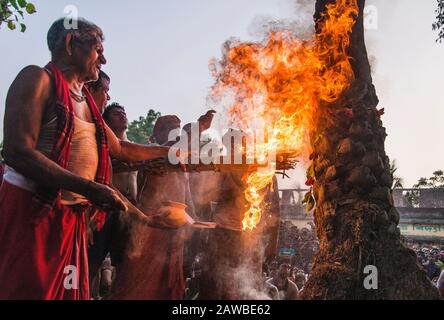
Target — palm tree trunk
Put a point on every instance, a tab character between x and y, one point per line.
355	219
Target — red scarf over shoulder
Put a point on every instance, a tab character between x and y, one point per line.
49	197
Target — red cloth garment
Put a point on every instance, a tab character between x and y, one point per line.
40	254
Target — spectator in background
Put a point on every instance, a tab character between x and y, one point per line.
440	260
300	279
432	269
288	290
273	269
270	290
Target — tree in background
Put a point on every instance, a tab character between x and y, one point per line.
439	23
141	130
11	11
434	182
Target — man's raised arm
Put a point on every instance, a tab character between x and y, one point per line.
129	151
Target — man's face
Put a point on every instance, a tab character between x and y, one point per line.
88	57
101	96
283	272
117	119
272	271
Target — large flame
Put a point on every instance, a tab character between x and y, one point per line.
282	82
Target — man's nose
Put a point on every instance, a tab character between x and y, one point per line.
108	97
102	59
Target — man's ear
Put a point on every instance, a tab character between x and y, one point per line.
68	44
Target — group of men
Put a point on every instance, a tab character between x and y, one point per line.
64	215
431	257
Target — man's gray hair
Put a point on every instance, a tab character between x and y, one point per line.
85	31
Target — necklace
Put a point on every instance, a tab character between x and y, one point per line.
77	97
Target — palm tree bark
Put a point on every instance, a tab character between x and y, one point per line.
355	219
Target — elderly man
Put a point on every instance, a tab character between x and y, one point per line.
56	148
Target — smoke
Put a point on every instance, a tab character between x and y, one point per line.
246	280
205	187
300	23
139	235
373	63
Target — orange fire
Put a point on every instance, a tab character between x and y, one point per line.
282	81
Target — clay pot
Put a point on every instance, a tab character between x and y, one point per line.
177	211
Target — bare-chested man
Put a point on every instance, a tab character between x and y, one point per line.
288	290
115	117
56	148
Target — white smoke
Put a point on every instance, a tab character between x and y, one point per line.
301	23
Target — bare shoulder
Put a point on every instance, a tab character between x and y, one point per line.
33	76
293	285
33	84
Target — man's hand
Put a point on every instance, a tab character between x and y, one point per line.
206	120
104	197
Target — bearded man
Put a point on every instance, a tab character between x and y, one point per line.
56	150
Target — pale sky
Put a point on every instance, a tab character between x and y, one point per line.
158	53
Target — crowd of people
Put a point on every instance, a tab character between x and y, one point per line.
285	272
303	243
431	257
